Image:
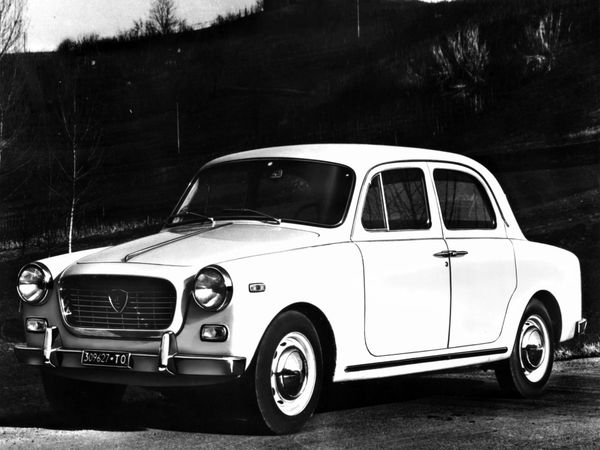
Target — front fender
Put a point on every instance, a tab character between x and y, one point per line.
58	264
329	277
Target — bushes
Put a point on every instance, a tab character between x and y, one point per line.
433	85
461	59
461	62
542	42
240	14
87	41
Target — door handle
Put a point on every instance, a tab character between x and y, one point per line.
450	253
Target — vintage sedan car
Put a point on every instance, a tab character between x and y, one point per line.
285	269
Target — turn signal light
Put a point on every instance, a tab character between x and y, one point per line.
36	325
213	333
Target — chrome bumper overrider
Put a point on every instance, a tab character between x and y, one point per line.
580	327
167	361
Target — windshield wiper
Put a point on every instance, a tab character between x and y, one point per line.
260	215
184	213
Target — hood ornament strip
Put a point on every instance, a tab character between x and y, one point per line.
132	255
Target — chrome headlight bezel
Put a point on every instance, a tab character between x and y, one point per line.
43	282
212	288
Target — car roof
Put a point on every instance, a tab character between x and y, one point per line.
364	157
357	156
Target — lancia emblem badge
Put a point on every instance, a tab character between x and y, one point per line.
118	299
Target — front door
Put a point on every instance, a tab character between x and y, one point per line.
407	288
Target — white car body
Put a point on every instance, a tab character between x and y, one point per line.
381	301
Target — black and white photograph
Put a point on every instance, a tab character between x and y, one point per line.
299	223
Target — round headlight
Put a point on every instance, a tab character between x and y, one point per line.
212	288
34	282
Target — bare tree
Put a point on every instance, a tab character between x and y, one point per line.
11	40
11	87
78	155
12	26
163	18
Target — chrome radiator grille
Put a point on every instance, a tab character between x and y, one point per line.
113	302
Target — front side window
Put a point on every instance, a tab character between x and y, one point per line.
289	190
403	191
464	202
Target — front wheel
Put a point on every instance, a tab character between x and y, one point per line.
528	369
288	373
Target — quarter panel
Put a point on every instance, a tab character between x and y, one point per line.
543	267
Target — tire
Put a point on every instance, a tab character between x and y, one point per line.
287	375
525	374
77	397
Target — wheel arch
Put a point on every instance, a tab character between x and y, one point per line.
553	308
325	332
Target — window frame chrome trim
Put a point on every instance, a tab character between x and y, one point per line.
357	210
486	190
383	202
351	192
387	229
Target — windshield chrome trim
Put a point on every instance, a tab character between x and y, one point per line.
211	164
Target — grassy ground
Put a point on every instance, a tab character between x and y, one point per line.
582	347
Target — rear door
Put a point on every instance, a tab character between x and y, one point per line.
407	288
481	258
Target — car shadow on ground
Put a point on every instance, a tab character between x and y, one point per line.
221	409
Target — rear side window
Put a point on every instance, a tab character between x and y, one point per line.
464	202
403	191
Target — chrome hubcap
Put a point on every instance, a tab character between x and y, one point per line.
293	373
533	348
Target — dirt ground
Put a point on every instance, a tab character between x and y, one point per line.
441	410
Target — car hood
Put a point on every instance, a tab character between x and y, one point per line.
194	246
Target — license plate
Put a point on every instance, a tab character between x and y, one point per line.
106	359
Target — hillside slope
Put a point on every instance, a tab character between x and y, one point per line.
525	100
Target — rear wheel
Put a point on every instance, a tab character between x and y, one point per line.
75	397
287	374
528	369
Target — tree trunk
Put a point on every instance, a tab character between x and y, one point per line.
73	197
71	217
74	179
1	136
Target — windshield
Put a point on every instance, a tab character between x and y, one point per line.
276	190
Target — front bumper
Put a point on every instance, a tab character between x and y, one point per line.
168	361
